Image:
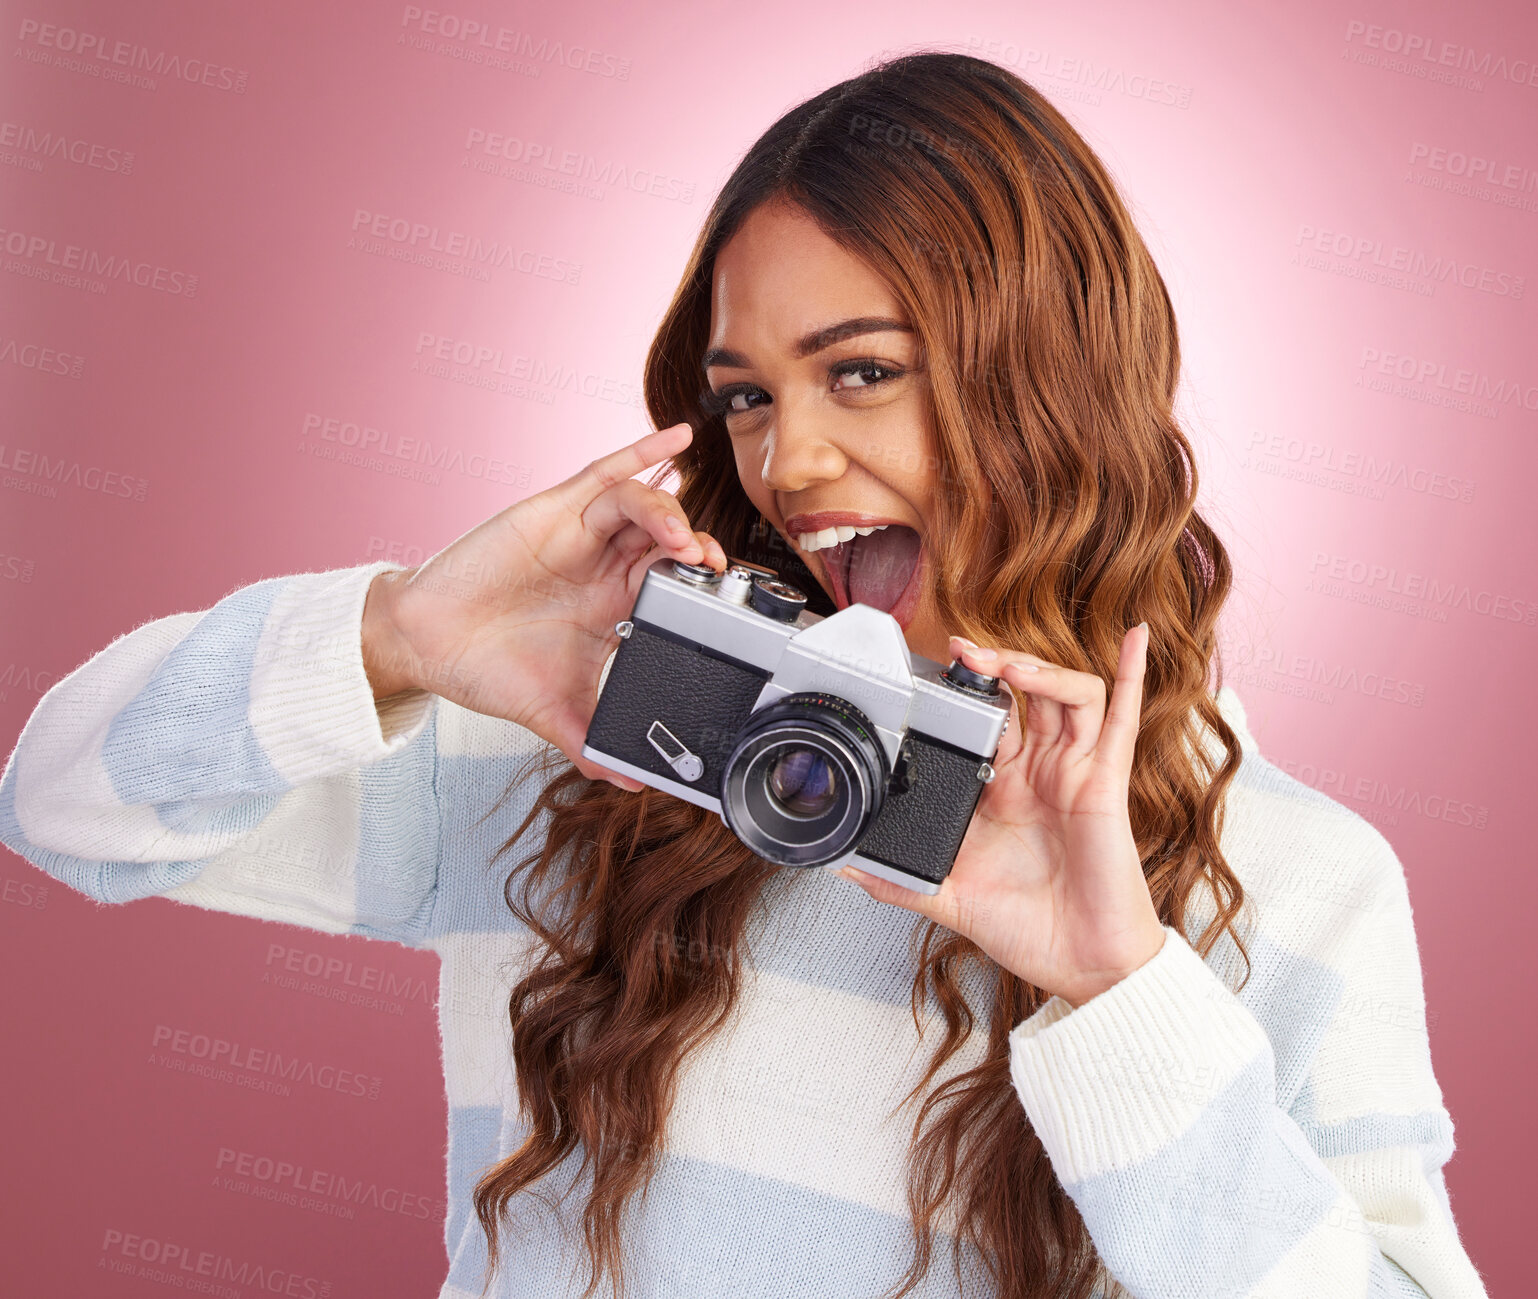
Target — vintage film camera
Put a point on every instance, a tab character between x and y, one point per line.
819	741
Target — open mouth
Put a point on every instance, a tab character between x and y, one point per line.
882	568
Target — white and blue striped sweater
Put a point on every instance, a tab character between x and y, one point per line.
1285	1141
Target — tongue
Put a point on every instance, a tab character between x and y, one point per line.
880	566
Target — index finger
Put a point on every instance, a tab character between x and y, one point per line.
1118	734
611	470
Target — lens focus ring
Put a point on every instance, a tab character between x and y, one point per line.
805	780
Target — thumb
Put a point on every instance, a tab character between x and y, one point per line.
568	734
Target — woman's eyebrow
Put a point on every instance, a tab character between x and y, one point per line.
814	342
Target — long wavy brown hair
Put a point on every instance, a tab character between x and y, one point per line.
1066	515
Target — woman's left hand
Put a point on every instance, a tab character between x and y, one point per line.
1048	881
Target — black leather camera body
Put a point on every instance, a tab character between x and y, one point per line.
820	741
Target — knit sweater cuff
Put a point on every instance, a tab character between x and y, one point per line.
1116	1080
312	706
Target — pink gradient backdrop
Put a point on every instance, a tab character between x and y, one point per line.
1281	164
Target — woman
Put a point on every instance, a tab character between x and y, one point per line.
920	358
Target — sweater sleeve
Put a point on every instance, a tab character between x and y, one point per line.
235	759
1159	1106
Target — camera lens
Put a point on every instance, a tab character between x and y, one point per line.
805	780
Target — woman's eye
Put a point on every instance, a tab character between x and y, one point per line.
866	373
734	400
741	398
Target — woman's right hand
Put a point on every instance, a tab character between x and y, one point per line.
516	618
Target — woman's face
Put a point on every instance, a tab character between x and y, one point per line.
821	386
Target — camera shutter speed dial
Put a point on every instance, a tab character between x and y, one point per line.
689	766
960	677
776	599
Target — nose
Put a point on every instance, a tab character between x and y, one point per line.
798	454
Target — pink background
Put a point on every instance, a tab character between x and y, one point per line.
1281	160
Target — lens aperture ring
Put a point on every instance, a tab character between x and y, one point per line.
814	726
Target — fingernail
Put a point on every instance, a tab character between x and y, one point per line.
675	524
983	653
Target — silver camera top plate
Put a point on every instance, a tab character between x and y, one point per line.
857	653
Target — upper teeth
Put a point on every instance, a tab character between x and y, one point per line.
810	541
